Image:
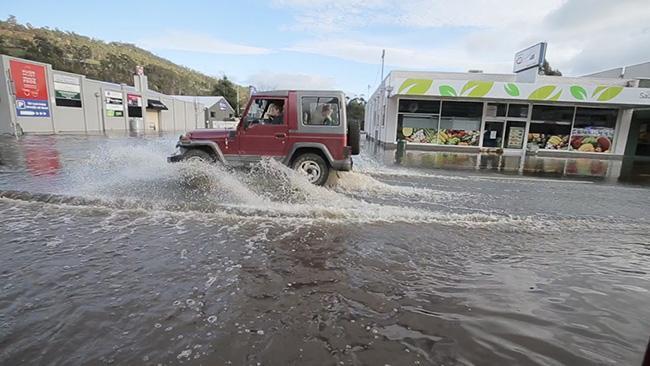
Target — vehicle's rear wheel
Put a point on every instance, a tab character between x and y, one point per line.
198	155
354	137
313	166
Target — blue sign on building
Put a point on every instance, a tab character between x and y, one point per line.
32	108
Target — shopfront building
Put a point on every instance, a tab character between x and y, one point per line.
468	112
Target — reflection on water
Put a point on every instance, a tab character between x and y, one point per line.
624	170
112	256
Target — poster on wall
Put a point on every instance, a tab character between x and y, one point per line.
31	89
67	91
133	100
516	138
114	104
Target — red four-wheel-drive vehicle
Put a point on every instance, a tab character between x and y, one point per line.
306	130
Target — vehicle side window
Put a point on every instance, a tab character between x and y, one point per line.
266	111
320	111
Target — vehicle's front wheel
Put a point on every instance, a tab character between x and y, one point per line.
198	155
313	166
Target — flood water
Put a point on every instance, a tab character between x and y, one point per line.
109	255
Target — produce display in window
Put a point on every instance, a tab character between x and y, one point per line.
458	137
551	142
592	139
420	135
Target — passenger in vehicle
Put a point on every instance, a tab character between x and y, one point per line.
274	115
326	114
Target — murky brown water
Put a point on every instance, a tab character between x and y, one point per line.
111	256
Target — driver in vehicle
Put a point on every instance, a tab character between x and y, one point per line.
274	115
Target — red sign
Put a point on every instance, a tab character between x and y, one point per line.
29	80
133	100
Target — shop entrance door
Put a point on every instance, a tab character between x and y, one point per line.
153	119
515	135
505	126
493	134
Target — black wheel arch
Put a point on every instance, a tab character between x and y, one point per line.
318	149
210	147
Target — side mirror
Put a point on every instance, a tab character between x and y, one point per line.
246	122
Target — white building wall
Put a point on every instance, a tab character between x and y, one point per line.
92	116
91	99
167	117
623	122
6	106
68	119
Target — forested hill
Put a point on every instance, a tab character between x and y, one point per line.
114	61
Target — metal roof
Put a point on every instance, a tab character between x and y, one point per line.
207	101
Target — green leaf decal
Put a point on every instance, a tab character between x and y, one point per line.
598	90
447	91
610	93
578	92
477	88
415	86
511	89
542	92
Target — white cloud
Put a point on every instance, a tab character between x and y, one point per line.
343	15
193	42
583	35
267	80
440	59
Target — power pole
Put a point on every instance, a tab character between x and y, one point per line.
237	88
383	55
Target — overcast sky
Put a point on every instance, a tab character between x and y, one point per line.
338	43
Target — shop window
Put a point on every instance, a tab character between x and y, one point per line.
550	127
593	129
552	113
460	123
496	110
320	111
417	128
419	106
518	110
418	120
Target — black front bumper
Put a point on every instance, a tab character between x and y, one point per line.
175	158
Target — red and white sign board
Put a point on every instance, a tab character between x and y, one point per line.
31	89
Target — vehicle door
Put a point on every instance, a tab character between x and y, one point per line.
264	132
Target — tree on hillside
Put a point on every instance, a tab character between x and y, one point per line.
546	69
107	61
356	109
226	89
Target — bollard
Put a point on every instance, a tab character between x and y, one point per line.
401	150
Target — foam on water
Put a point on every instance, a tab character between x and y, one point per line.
138	177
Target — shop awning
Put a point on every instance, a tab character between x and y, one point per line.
156	104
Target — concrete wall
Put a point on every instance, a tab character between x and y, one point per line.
114	123
178	108
68	119
167	117
32	124
91	99
6	104
92	116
